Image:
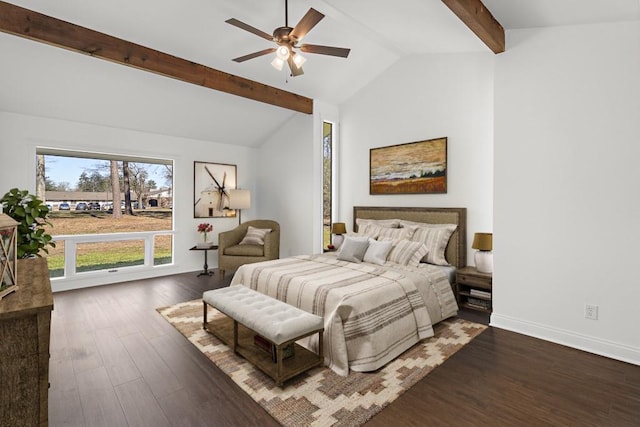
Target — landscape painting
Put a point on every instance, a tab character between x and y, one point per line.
412	168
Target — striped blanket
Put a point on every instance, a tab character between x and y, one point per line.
372	313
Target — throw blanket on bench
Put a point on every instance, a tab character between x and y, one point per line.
371	313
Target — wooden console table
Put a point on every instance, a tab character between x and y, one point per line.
25	327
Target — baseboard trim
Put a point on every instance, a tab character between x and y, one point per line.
612	350
126	274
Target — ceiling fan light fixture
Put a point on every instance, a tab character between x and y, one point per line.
287	40
283	53
277	63
299	59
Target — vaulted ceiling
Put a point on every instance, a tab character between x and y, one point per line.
46	81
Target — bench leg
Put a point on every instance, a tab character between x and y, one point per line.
235	335
280	357
204	315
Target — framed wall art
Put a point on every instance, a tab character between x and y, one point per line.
412	168
211	185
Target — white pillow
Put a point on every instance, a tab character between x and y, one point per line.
356	236
369	230
395	234
407	223
377	252
436	240
384	223
353	249
255	236
406	252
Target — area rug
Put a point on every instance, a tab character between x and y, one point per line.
320	397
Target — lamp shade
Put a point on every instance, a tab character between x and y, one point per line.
339	228
239	199
277	63
483	241
283	53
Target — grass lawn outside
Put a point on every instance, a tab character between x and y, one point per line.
109	255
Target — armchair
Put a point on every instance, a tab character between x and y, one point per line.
232	255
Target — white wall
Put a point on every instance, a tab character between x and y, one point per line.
567	206
20	135
285	190
421	98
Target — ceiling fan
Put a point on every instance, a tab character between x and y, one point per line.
288	39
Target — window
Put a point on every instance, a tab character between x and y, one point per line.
327	182
96	228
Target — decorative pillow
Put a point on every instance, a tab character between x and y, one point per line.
384	223
353	249
377	252
395	234
406	252
407	223
356	236
369	230
255	236
436	240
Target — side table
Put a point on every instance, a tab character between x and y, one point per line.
205	271
474	289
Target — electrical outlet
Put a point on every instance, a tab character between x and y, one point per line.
591	312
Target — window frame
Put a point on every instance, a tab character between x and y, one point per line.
148	237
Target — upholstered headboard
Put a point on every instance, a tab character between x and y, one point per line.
456	252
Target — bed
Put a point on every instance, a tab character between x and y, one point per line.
372	312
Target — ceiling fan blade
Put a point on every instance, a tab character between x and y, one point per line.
325	50
305	25
254	55
295	70
247	27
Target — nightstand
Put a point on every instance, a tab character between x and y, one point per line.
473	289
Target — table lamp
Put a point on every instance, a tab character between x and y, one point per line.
238	200
483	242
338	229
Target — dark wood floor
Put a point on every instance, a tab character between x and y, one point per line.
116	362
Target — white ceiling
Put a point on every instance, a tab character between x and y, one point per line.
42	80
514	14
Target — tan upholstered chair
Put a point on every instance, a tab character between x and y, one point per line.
232	255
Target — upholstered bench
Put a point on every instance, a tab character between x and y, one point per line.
279	323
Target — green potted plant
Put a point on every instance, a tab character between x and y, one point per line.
31	214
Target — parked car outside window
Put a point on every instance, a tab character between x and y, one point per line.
64	207
94	206
82	206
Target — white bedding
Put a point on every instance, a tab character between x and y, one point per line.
372	313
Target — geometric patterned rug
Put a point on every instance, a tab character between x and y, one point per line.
320	397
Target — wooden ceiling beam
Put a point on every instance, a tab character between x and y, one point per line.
36	26
479	20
